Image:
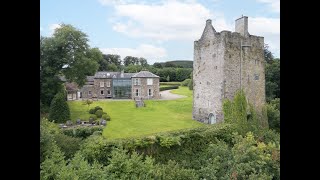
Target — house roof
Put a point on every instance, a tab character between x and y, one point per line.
145	74
71	86
90	78
107	74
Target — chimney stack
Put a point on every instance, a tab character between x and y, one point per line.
242	26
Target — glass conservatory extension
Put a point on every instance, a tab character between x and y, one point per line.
121	88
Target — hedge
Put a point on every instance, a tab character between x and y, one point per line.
168	87
81	132
177	145
170	83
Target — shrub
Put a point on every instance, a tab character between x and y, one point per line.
95	109
170	83
190	84
106	117
177	145
59	109
68	145
81	132
99	113
91	111
273	113
168	87
93	116
173	170
185	82
47	133
97	133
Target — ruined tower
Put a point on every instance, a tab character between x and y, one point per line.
223	63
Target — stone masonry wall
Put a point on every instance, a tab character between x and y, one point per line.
252	64
208	77
143	88
220	69
97	89
84	91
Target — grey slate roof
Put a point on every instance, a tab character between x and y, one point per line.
106	74
145	74
90	78
71	87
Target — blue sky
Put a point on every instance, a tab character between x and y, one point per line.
158	30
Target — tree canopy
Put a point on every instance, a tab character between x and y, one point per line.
68	54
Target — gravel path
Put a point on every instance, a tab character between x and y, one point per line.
164	95
167	95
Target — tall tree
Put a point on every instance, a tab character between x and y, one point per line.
66	53
131	60
273	79
268	56
157	65
109	59
169	64
59	109
143	62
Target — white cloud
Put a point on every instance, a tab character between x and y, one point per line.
184	20
150	52
41	29
113	2
167	20
52	27
269	28
274	4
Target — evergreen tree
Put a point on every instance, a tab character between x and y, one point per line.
59	109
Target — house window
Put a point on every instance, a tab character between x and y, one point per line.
150	92
137	92
136	82
109	92
108	84
101	84
149	81
256	76
89	93
101	92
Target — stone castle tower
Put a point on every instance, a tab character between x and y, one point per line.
223	63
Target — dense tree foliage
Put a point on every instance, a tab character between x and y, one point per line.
273	79
268	56
66	53
273	112
176	63
190	84
239	112
157	65
110	62
59	109
211	152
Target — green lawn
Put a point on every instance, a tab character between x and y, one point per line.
129	121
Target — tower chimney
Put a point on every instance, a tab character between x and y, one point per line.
242	26
209	22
